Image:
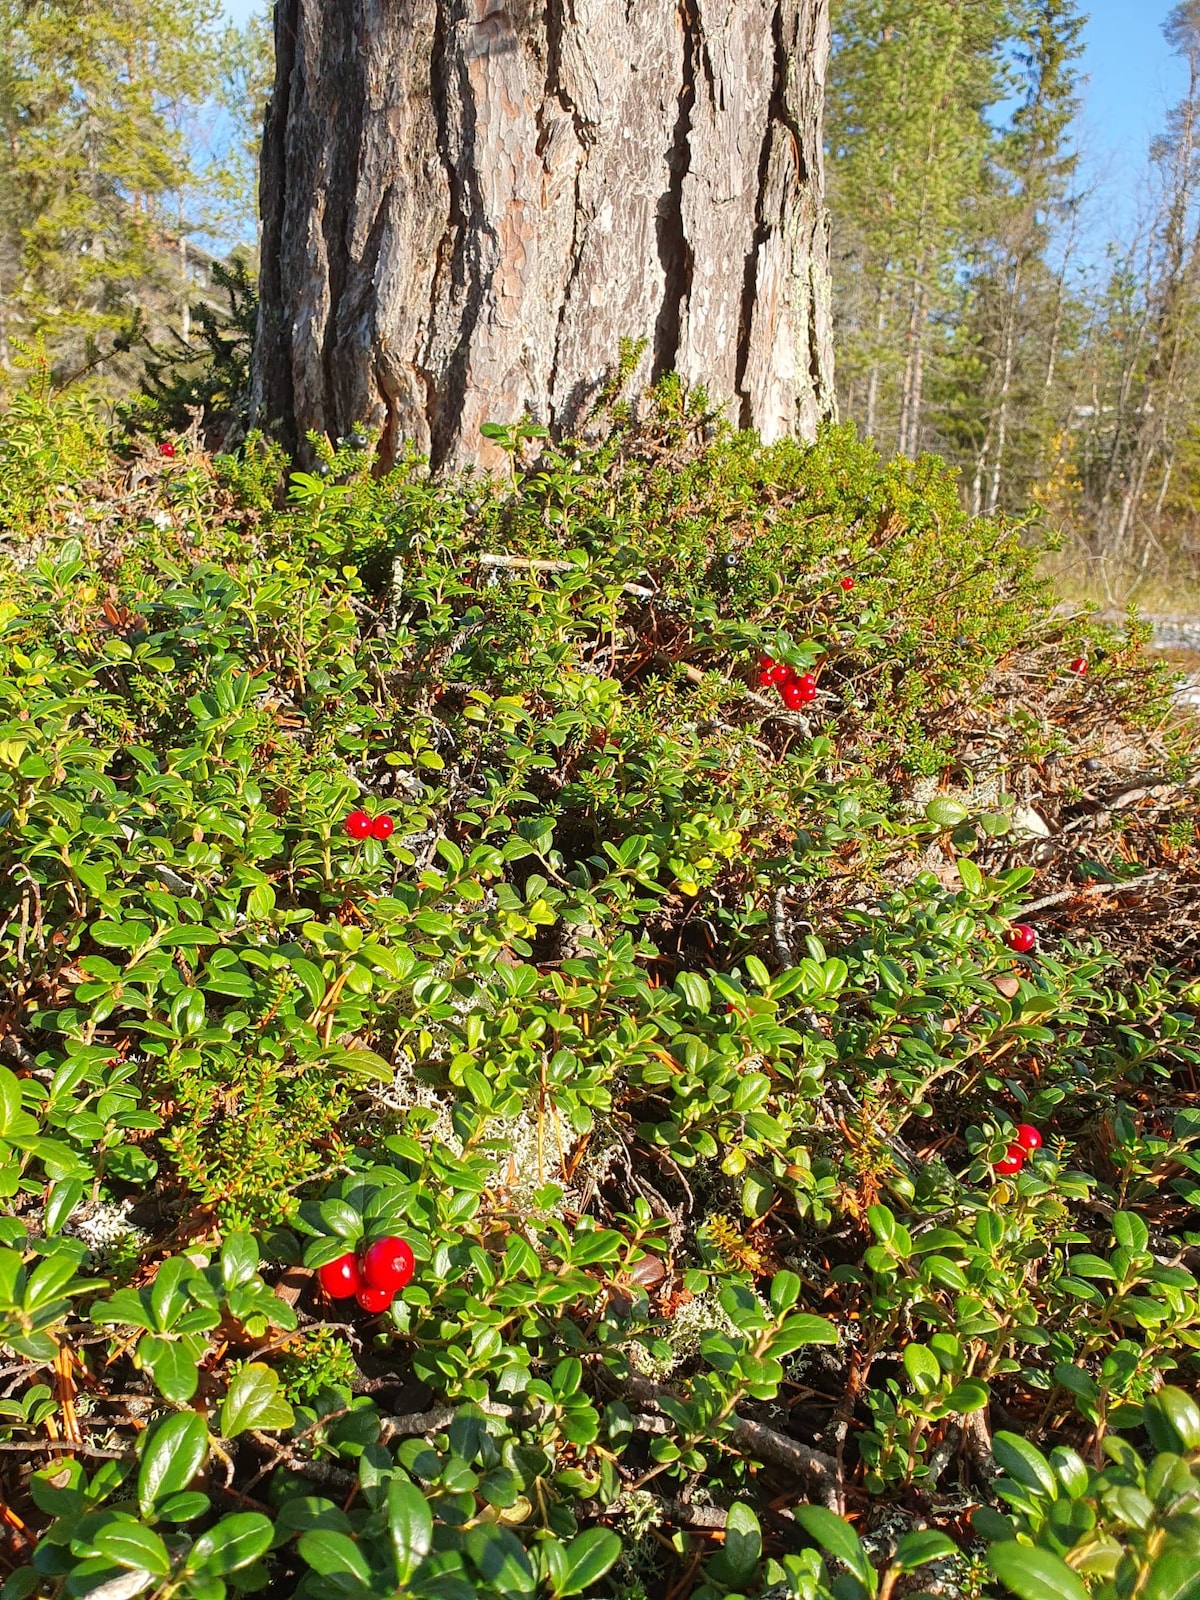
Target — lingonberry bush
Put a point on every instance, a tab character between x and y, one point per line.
497	1102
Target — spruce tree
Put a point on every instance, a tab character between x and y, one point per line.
95	97
908	140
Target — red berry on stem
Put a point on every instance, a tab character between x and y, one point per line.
340	1279
382	828
373	1300
1013	1161
847	584
765	663
358	825
1079	666
1028	1137
1021	938
781	673
793	695
166	448
388	1264
766	679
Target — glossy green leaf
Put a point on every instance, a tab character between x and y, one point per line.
1034	1574
173	1451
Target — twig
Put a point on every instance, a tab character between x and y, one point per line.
63	1447
1090	888
777	923
530	564
706	1517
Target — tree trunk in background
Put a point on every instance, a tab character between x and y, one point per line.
467	204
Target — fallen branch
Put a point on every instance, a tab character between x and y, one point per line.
413	1424
755	1438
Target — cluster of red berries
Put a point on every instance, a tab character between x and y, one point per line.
1021	938
796	689
360	826
374	1277
1025	1141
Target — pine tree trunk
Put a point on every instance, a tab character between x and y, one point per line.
467	204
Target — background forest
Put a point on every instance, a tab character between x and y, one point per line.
983	310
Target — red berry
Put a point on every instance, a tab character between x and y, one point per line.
781	673
166	448
1013	1161
1028	1137
373	1300
340	1279
766	679
358	825
382	828
847	584
807	686
793	696
1079	666
1021	938
765	663
388	1264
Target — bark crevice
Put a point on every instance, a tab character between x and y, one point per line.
339	200
674	247
470	272
761	224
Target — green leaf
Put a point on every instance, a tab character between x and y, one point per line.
65	1195
802	1329
410	1522
172	1367
1025	1463
785	1291
969	1395
131	1545
919	1548
1172	1419
239	1259
838	1539
10	1099
341	1218
923	1369
945	812
972	878
334	1555
1034	1574
173	1451
588	1557
737	1561
1175	1575
254	1401
695	991
1130	1231
501	1559
235	1542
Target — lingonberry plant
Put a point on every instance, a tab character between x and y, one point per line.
494	1104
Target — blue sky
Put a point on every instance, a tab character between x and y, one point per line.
1132	79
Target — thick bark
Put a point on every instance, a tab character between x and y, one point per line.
467	204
